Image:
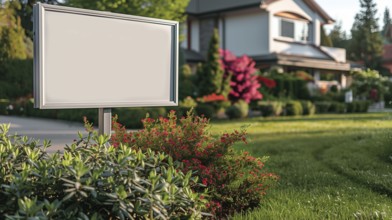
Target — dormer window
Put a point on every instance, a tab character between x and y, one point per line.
292	26
287	28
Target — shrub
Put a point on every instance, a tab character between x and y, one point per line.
322	107
4	103
352	107
294	108
239	109
337	107
238	182
92	179
270	108
206	109
244	82
132	117
308	108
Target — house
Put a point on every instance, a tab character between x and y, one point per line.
387	57
283	33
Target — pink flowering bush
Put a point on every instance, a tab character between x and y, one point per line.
244	83
236	182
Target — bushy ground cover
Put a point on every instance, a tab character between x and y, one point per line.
330	166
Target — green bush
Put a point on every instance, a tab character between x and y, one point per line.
294	108
290	87
270	108
308	108
16	79
206	109
337	107
352	107
322	107
239	109
132	117
4	103
92	180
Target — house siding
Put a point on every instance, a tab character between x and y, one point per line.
247	33
207	26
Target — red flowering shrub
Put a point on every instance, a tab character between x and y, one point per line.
244	84
236	182
212	98
269	83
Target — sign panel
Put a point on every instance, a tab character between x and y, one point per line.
92	59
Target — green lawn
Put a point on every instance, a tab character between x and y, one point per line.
331	166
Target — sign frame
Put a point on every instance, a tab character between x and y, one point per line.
39	59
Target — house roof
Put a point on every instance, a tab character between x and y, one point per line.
302	61
200	7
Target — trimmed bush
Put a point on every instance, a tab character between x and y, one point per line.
308	108
4	103
239	109
322	107
337	107
270	108
206	109
92	180
294	108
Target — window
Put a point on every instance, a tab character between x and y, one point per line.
295	29
287	29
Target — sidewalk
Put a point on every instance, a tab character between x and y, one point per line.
59	132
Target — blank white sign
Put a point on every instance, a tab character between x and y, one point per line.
90	59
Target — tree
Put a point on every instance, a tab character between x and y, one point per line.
387	24
338	37
366	43
211	76
325	39
12	36
25	12
164	9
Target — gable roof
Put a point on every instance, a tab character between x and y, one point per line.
199	7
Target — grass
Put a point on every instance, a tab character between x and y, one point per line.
331	166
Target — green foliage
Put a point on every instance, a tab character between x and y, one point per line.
337	107
325	39
16	78
171	10
210	76
366	44
92	180
206	109
12	36
186	86
132	117
322	106
270	108
338	36
369	85
290	87
294	108
308	108
240	109
387	22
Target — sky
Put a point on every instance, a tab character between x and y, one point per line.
345	11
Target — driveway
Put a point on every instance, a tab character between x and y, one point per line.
59	132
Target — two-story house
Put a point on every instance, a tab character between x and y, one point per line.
284	33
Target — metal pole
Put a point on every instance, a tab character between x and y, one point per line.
105	121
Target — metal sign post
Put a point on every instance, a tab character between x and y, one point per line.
105	121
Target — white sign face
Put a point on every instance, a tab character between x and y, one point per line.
91	59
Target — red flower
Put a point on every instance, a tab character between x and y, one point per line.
269	83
